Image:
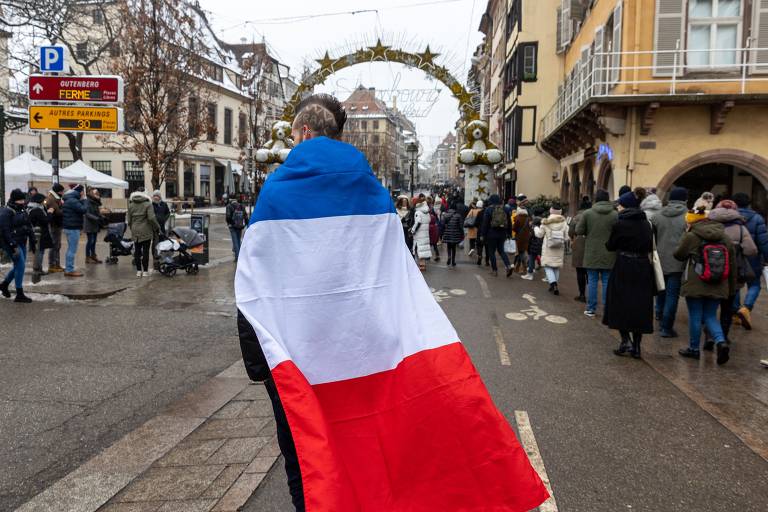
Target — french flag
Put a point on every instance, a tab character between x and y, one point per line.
385	407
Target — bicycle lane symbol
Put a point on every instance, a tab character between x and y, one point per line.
534	312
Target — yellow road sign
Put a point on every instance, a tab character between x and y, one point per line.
75	119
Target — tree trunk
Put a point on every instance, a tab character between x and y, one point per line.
75	141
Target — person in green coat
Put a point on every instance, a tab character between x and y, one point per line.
143	225
702	297
595	226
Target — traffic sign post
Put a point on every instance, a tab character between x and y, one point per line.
75	118
52	59
81	89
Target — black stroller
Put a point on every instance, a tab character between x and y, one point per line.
176	252
118	245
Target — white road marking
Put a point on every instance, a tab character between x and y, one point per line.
484	286
535	313
528	440
503	354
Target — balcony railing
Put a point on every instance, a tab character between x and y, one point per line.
657	74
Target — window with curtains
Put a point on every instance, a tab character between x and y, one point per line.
228	126
714	33
133	172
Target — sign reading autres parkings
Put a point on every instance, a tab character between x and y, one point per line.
79	89
75	118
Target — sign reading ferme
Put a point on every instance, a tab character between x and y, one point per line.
75	118
80	89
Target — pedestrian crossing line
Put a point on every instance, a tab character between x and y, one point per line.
484	286
531	447
503	354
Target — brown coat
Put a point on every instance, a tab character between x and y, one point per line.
522	229
578	242
478	214
55	203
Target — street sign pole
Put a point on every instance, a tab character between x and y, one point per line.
2	156
55	156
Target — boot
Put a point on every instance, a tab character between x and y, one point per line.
88	260
551	287
637	338
555	289
4	290
20	297
95	259
624	346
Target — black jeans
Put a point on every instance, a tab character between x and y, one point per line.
494	245
581	279
141	255
726	315
287	447
451	253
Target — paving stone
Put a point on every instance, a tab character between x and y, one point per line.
261	465
253	392
268	430
233	409
257	409
165	484
132	507
188	506
207	398
239	493
191	453
271	449
241	450
229	428
224	481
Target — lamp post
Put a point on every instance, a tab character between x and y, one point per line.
412	148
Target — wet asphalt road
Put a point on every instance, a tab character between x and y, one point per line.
613	433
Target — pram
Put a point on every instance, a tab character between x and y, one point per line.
118	246
176	252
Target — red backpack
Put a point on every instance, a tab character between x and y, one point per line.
712	264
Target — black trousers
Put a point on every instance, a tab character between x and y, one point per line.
287	447
581	279
451	253
141	254
726	315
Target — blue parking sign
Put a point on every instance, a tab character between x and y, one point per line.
52	59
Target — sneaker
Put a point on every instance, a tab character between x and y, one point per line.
139	273
73	274
556	290
471	253
736	319
745	316
764	363
689	353
590	314
723	353
509	271
668	333
709	345
527	277
545	280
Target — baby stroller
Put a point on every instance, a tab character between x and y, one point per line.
118	246
177	252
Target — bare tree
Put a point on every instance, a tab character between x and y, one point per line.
166	64
89	29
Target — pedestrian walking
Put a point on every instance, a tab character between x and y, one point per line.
236	221
435	225
631	285
15	231
757	229
727	213
651	206
143	225
496	229
53	204
577	249
420	232
596	225
481	244
92	224
453	232
406	215
709	278
39	217
535	248
669	225
521	229
73	211
163	215
553	232
473	220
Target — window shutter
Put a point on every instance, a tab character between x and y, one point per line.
670	16
560	45
585	78
618	21
760	36
567	22
578	10
599	62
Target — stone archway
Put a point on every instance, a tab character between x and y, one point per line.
573	199
565	188
604	175
755	164
588	182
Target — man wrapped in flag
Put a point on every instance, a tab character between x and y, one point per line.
380	407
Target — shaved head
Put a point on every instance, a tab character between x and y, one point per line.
319	115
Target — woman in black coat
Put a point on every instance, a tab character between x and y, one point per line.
453	232
39	217
631	287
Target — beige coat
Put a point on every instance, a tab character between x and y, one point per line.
551	257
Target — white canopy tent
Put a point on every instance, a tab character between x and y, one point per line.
94	178
27	167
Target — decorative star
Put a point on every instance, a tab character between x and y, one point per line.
362	55
482	176
326	62
379	51
427	58
480	190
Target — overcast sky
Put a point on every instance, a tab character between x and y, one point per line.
448	26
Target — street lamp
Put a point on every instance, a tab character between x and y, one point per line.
412	148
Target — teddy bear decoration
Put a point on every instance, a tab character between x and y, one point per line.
276	150
479	150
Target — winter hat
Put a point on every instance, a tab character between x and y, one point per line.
629	200
58	188
624	189
157	193
556	210
17	195
586	204
694	216
37	198
727	204
602	195
480	203
742	199
79	189
678	194
705	202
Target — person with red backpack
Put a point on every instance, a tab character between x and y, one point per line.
709	277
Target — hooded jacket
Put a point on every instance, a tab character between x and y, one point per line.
93	217
552	257
596	225
40	220
756	226
15	227
141	217
670	226
73	210
421	231
651	205
54	201
689	248
453	227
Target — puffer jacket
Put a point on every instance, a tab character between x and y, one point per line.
93	217
453	227
669	226
689	248
141	217
552	257
420	231
40	220
651	205
756	226
596	225
73	210
15	227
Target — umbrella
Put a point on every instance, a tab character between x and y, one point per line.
94	178
245	183
229	179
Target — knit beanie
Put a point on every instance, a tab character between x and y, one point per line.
79	189
480	203
602	195
157	193
727	204
624	189
629	200
58	188
741	199
678	194
17	195
556	210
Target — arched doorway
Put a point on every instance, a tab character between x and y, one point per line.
588	185
573	199
605	176
565	189
722	172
